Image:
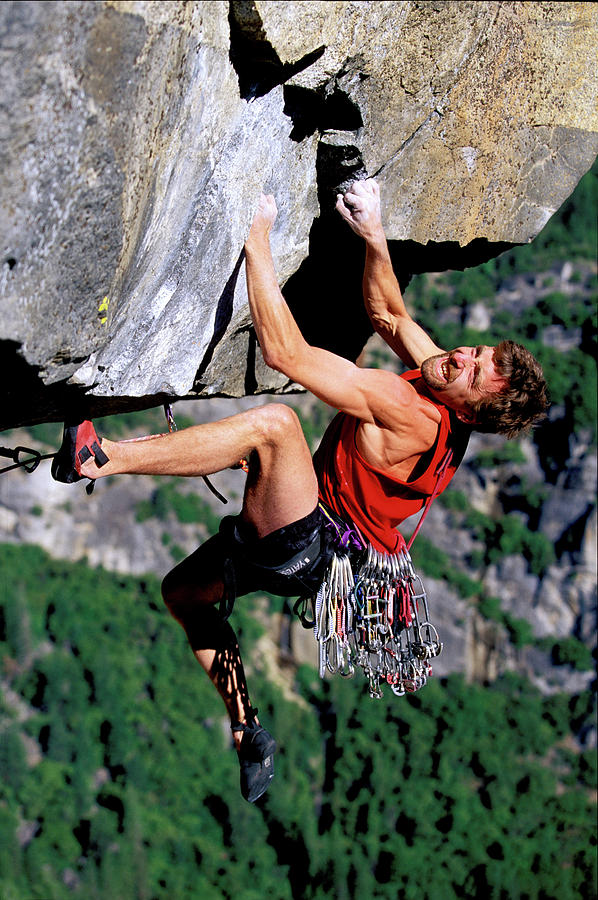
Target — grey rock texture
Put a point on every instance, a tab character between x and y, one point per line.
135	138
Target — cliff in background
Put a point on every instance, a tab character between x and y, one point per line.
136	137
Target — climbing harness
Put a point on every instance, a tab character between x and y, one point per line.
371	610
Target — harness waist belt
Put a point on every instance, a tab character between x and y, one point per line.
296	563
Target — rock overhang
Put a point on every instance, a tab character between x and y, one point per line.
138	137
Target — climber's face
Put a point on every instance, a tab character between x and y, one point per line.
463	377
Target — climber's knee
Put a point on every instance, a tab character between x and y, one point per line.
278	424
176	596
203	624
196	581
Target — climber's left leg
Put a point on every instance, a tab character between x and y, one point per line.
190	592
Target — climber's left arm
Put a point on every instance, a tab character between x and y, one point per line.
372	395
360	208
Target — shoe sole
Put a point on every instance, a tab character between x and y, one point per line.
65	466
256	778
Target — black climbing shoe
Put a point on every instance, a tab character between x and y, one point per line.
79	443
256	759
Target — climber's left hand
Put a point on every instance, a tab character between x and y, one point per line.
359	206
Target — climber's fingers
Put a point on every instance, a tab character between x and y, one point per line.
348	211
363	194
365	188
342	208
267	208
265	215
359	206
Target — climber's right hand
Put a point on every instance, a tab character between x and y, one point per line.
263	219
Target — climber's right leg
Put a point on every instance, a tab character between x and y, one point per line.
281	490
282	485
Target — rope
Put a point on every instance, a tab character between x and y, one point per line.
172	427
440	473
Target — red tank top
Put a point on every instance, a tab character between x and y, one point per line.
372	499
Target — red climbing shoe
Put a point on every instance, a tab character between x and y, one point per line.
79	443
256	759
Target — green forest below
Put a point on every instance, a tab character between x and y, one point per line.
458	791
119	778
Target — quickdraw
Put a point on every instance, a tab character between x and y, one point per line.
374	621
172	427
30	464
377	620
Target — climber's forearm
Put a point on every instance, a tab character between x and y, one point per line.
381	291
386	308
360	207
278	334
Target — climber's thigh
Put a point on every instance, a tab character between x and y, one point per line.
281	485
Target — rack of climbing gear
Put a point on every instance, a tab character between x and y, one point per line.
376	619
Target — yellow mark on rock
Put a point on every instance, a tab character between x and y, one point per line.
103	308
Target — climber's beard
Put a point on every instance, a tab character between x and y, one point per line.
439	371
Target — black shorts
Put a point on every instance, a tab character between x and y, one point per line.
290	561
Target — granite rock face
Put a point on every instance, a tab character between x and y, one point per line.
135	138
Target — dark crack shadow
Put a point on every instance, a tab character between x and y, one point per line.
325	294
253	57
250	385
224	312
312	111
27	400
442	256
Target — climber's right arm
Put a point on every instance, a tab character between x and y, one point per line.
360	208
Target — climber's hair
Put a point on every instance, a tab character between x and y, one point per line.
523	402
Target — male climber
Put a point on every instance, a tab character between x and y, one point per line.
377	463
